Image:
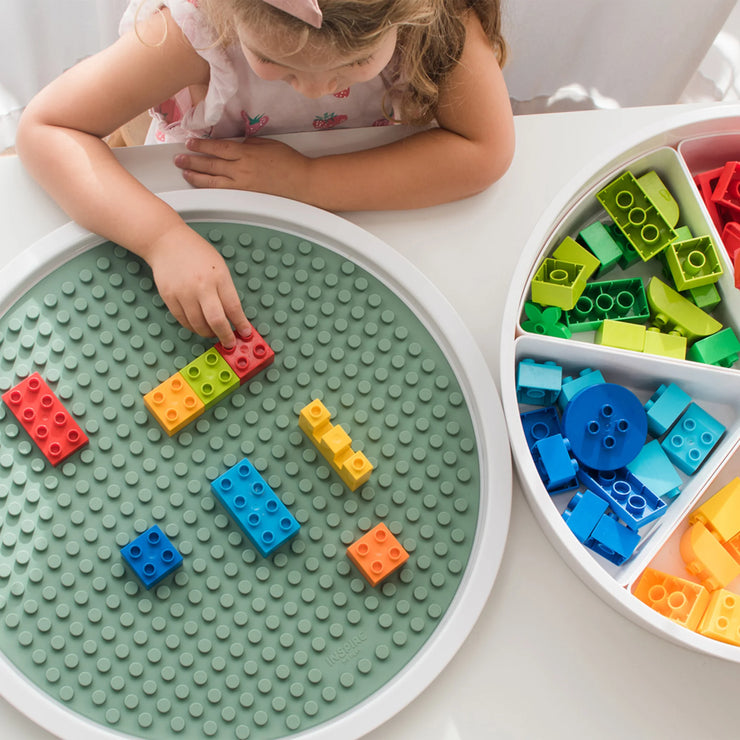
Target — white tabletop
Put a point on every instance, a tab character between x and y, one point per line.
547	657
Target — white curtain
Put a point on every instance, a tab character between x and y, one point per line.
39	39
570	54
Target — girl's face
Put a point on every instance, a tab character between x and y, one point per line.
313	71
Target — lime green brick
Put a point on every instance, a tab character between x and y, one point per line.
693	263
569	250
621	334
558	283
210	376
668	345
673	312
660	196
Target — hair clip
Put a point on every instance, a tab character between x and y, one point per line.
306	10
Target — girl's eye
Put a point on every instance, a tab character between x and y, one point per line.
262	60
361	62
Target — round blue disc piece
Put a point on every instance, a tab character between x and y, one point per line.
606	426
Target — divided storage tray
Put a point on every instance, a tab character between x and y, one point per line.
694	142
233	644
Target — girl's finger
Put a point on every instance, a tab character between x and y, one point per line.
200	180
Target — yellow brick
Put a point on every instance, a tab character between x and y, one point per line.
721	620
721	513
706	559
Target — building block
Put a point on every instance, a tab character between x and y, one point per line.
569	250
557	469
731	238
174	404
583	513
678	599
539	424
538	383
558	283
250	355
721	620
255	507
693	263
706	182
334	444
618	300
597	238
377	554
706	297
210	376
720	514
665	345
545	320
613	540
733	547
586	378
706	559
654	470
692	439
660	197
44	417
726	192
151	556
637	217
672	312
621	335
634	503
721	349
629	253
606	426
664	408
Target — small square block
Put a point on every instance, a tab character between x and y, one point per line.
692	438
45	418
654	470
664	408
249	356
613	540
174	404
255	507
538	383
377	554
210	377
152	556
583	513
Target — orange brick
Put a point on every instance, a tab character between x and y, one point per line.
377	554
174	404
676	598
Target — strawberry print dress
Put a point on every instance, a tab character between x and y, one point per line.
237	102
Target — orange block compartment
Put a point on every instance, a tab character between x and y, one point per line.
377	554
676	598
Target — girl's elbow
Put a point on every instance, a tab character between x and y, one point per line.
496	162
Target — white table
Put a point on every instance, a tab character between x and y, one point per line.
547	657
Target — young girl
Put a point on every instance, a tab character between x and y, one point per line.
214	69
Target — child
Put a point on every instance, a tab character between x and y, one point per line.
206	68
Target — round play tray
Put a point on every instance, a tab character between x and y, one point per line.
677	149
234	645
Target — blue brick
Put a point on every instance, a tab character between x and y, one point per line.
539	424
653	469
152	556
664	407
635	504
692	438
583	513
538	383
613	540
255	507
571	386
556	467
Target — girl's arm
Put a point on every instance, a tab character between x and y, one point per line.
471	149
60	143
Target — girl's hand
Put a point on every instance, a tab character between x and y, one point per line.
195	284
257	164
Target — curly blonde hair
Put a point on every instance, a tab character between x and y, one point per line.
431	36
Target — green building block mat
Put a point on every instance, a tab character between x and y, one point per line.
232	645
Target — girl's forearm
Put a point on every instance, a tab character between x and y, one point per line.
425	169
82	175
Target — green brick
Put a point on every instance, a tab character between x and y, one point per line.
210	376
599	241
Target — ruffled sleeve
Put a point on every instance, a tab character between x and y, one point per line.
177	118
